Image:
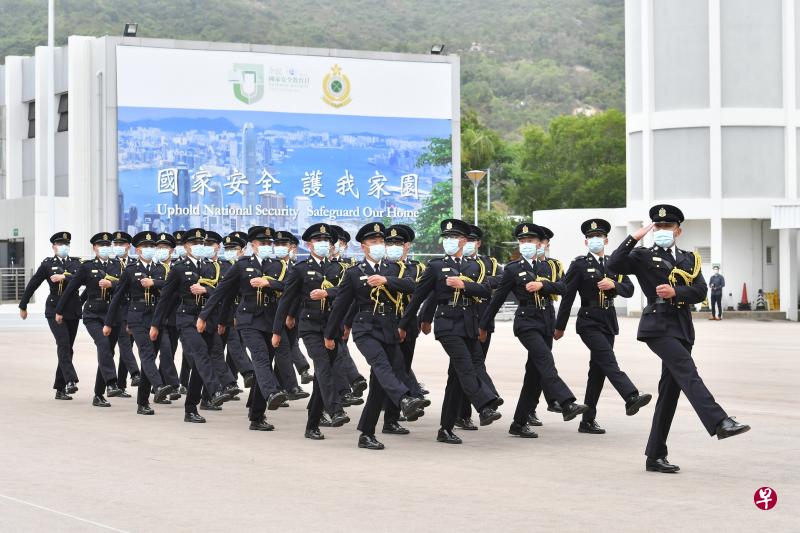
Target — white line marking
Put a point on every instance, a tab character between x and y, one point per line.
98	524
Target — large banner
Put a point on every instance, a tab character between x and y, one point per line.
226	140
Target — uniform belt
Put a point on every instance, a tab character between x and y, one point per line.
259	302
608	305
193	301
151	301
530	303
379	309
98	300
461	302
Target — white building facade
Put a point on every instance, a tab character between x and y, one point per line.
712	101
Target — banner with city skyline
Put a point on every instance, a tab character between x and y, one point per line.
235	164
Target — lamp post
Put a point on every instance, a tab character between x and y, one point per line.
475	176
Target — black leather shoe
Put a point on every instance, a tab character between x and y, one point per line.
113	391
261	425
71	388
522	431
61	395
124	394
163	402
135	380
447	436
395	429
314	434
635	402
235	399
297	393
306	377
661	465
194	418
555	407
572	409
348	400
183	390
359	385
275	400
339	419
411	407
369	442
324	421
144	410
498	402
533	420
219	398
466	424
488	415
423	390
161	393
730	427
208	406
233	390
174	395
249	379
99	401
590	427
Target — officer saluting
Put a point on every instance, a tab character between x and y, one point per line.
138	290
57	271
375	288
589	276
527	279
450	281
672	281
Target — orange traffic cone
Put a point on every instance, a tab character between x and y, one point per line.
744	305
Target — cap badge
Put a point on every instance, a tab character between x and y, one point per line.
105	236
449	225
268	232
594	225
394	233
148	237
376	227
198	233
524	229
662	212
322	229
65	236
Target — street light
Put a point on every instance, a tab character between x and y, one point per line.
475	176
130	29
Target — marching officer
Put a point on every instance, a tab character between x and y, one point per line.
121	248
451	281
56	271
309	290
374	289
255	279
183	288
98	276
673	282
165	248
138	289
534	324
298	359
589	276
174	336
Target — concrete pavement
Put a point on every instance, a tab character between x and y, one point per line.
66	466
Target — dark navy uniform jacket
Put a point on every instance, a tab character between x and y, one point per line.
50	266
176	292
597	312
97	299
140	301
373	311
455	310
670	317
535	311
257	306
312	315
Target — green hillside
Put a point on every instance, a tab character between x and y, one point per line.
531	59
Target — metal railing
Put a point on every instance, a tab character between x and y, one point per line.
12	284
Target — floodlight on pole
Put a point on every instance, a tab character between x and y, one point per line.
437	49
130	29
475	176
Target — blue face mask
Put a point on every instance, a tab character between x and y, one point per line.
198	250
469	248
179	252
394	252
264	251
541	250
119	251
664	238
450	245
377	251
596	244
162	254
281	251
62	250
104	251
148	253
229	254
132	254
322	248
527	250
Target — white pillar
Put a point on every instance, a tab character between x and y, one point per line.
715	131
788	272
16	126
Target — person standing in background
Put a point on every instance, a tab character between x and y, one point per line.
715	285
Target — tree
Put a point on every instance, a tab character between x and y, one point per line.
437	207
578	162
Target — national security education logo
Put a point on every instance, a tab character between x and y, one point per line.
336	88
248	82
